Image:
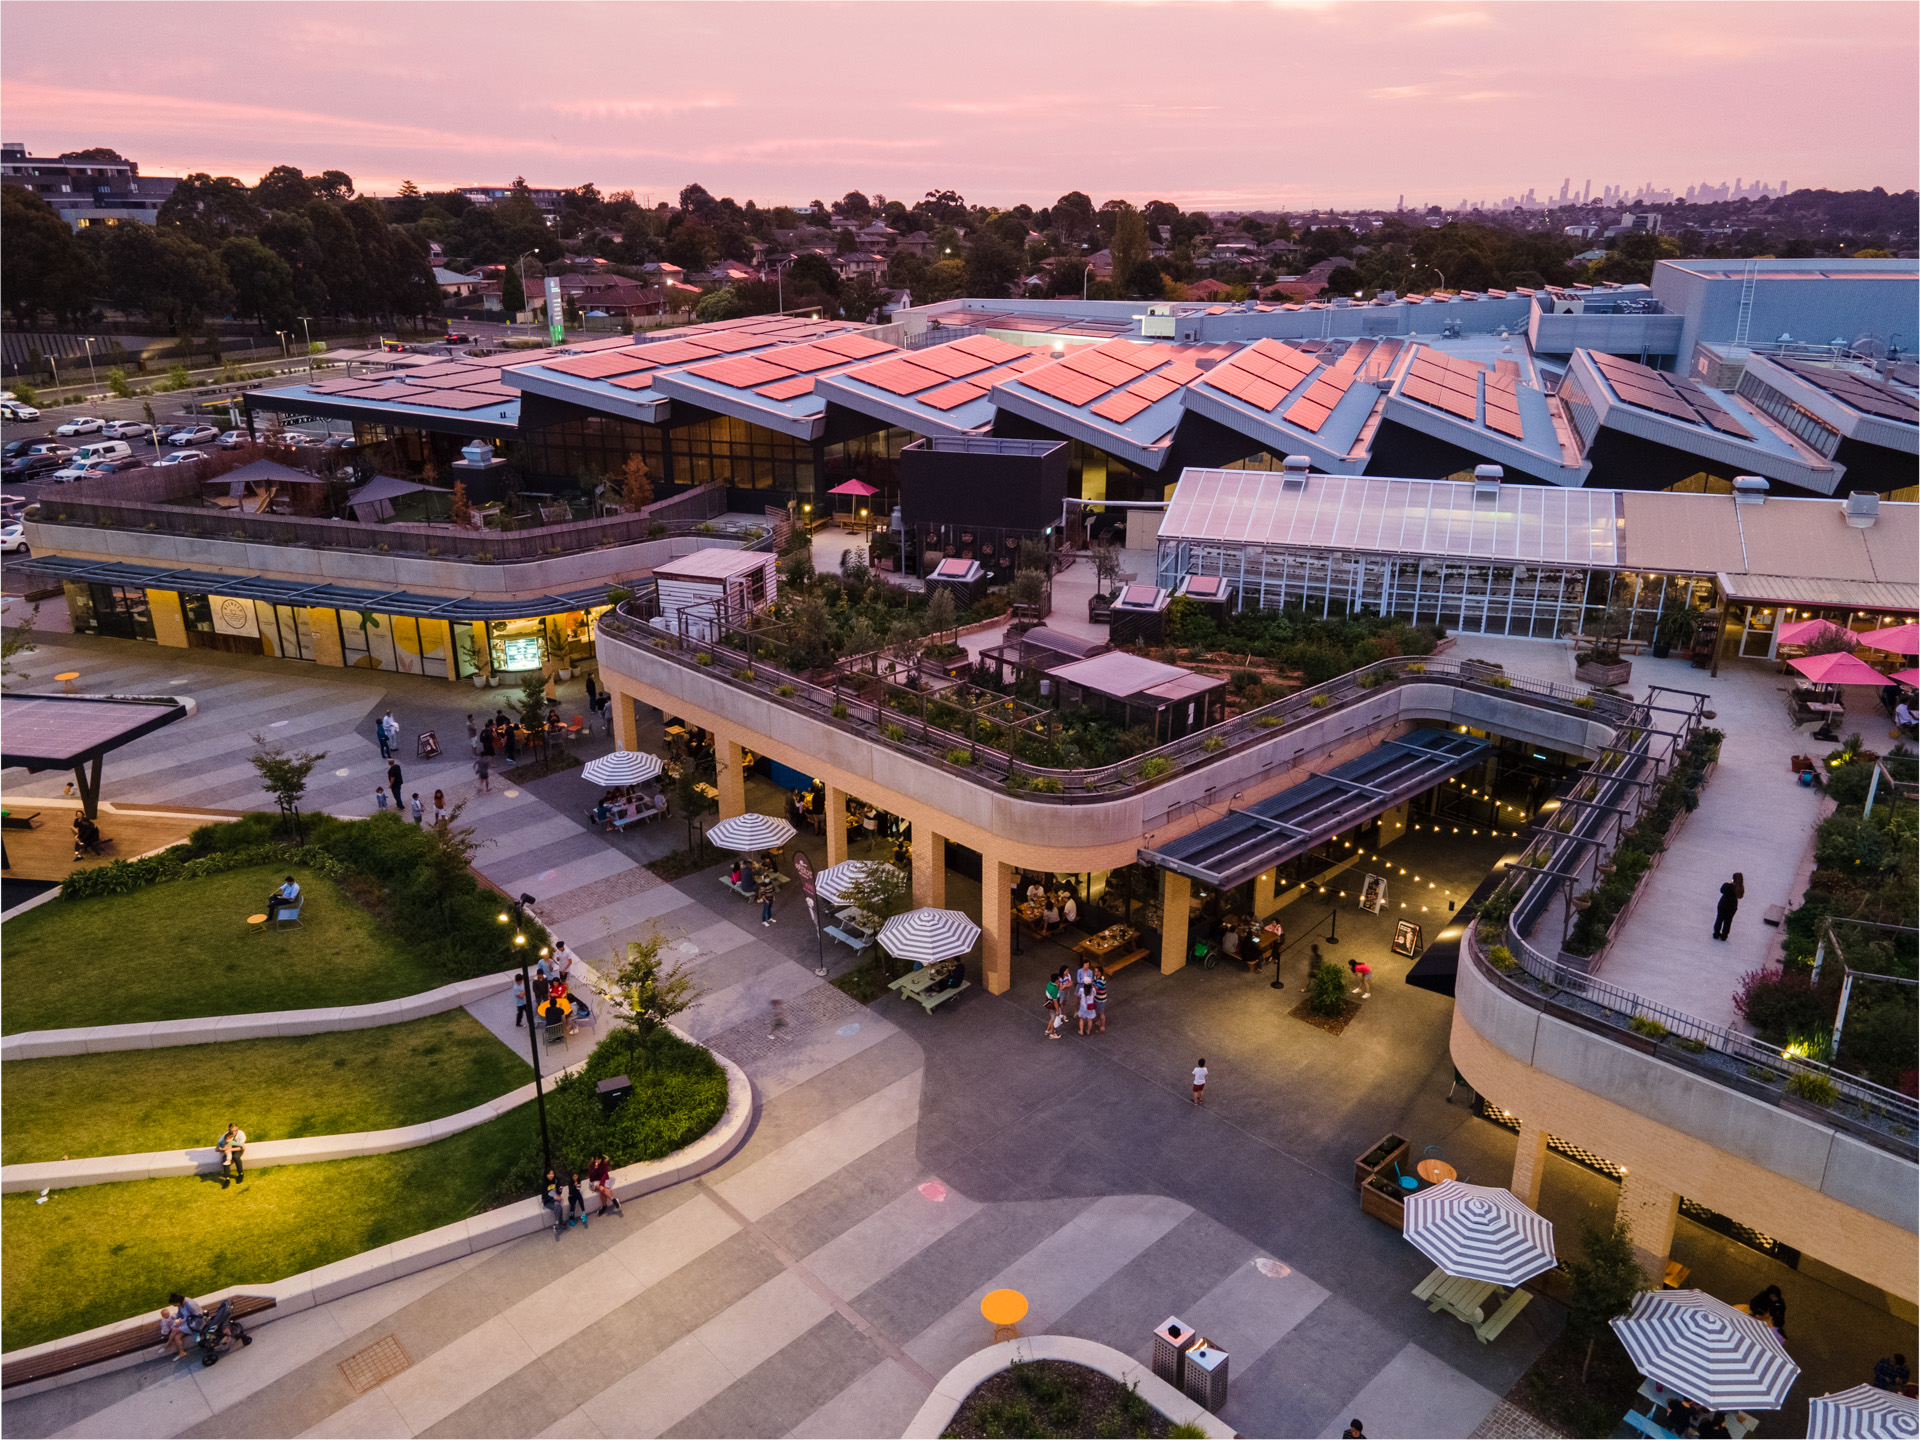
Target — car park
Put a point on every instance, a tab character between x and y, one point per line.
193	435
180	457
81	425
14	410
127	430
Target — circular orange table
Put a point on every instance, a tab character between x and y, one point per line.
1434	1171
1004	1310
67	678
256	923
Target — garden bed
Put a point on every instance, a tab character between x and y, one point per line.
1332	1024
1552	1389
1047	1398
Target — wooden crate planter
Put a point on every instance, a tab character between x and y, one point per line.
1380	1198
1593	672
1390	1149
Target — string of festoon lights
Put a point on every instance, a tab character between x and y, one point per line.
1362	853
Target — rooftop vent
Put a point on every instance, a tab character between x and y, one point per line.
1293	472
1863	508
1749	490
1486	481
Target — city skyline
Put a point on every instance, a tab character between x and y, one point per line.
940	96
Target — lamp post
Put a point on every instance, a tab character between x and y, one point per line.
518	949
93	375
283	343
520	264
306	329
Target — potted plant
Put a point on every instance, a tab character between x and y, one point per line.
1602	664
1675	627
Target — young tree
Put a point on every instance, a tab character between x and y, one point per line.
513	295
881	891
1106	564
686	795
1605	1279
14	641
646	993
940	613
1129	246
462	513
283	775
636	486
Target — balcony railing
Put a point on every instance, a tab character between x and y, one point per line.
847	705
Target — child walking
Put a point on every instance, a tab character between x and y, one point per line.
1200	1081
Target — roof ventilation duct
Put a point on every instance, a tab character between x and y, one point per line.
1486	481
1293	472
1749	490
1863	509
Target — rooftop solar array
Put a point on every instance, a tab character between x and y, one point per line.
1531	523
1867	396
1037	324
1682	400
1123	379
1445	382
944	377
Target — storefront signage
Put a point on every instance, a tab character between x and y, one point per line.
232	616
556	327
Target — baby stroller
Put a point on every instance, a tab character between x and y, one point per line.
221	1332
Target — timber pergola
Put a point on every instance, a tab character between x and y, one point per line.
75	732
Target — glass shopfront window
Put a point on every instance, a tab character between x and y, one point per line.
514	645
285	631
118	610
403	643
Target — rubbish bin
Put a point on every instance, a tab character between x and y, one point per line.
1171	1341
612	1092
1206	1376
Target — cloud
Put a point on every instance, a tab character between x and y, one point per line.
631	109
1400	92
1457	20
1489	95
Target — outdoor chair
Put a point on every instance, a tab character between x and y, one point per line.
556	1031
285	916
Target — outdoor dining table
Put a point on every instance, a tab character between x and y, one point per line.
1461	1298
1739	1423
1434	1171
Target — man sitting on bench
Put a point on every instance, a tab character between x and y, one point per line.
287	897
86	835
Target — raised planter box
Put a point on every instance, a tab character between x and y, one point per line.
1592	672
1390	1149
1381	1199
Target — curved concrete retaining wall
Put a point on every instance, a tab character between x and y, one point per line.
434	1247
958	1383
264	1024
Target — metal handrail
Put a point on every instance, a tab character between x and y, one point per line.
1138	772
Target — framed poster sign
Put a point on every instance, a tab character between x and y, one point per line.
1406	938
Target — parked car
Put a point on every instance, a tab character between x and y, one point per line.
14	410
294	439
28	467
13	539
82	425
127	430
78	469
49	447
193	435
104	450
458	337
234	439
13	448
180	457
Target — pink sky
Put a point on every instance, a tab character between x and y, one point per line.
1209	105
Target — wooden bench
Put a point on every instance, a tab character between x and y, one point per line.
746	887
1121	963
116	1345
1490	1329
918	985
855	940
1644	1424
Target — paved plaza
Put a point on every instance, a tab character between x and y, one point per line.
901	1164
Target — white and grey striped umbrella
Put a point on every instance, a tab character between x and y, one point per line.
622	767
1706	1350
831	883
1863	1413
1479	1233
751	832
924	936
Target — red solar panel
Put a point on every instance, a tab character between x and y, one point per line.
1030	360
949	397
985	347
633	382
466	399
1100	367
742	373
1139	357
1461	384
1066	384
676	352
1507	422
1153	388
346	386
449	371
788	389
897	377
394	390
491	388
733	344
1307	414
1120	408
805	359
1180	372
1456	403
854	347
1263	393
1230	379
948	361
598	367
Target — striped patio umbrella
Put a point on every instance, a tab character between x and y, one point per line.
751	831
1479	1233
622	767
831	883
924	936
1862	1413
1706	1350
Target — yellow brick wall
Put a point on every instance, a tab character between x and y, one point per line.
169	624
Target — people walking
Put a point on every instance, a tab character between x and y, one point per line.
1731	894
1200	1081
1365	971
483	767
381	734
394	779
765	896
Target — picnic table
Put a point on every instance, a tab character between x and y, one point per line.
1465	1300
929	985
854	928
1114	947
1739	1423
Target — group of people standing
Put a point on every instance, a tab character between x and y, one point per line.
1084	992
552	997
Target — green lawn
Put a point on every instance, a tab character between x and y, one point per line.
134	1100
182	948
100	1253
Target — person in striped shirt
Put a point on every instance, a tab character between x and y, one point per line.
1099	1000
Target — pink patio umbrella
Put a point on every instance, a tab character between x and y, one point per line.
1839	668
1805	632
858	488
1905	677
1897	639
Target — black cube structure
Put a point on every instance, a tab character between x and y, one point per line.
1210	591
975	497
1138	616
612	1091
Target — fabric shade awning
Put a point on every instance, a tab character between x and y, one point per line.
925	936
1839	668
831	884
1882	596
386	487
1895	639
622	767
1906	677
1806	632
853	487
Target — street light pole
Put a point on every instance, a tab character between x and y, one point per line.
93	375
519	950
307	330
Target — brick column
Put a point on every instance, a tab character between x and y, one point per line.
996	922
626	729
929	865
1265	902
1529	1164
730	777
1175	893
1649	1209
834	807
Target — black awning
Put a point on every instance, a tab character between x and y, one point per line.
1439	963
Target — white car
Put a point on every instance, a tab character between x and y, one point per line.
234	439
180	457
127	430
14	410
296	438
82	425
13	538
193	435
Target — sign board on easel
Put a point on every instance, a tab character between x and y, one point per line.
1373	894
